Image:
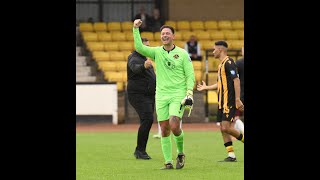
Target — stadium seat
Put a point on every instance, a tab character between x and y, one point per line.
211	25
118	36
126	26
236	44
179	43
100	27
183	25
117	56
240	34
203	35
114	76
171	23
121	66
111	46
148	35
212	97
186	35
212	77
216	35
114	27
86	27
155	43
107	65
231	35
120	86
198	75
101	56
90	36
129	36
197	65
157	36
104	36
125	46
206	44
197	25
177	36
95	46
237	24
224	25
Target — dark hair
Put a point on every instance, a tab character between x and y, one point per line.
144	39
166	26
221	43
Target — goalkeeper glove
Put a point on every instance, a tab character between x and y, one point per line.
188	101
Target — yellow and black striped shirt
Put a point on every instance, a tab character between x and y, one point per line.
226	73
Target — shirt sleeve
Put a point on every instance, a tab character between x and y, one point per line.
231	69
189	72
135	66
140	47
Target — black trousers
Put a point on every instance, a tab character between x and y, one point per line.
144	106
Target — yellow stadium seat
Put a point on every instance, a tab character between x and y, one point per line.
224	25
100	26
155	43
101	56
197	25
213	63
120	86
231	35
118	36
212	97
186	35
126	53
117	56
179	43
111	46
172	23
129	35
211	25
183	25
206	44
236	44
86	27
95	46
177	36
124	76
104	36
240	34
157	36
203	35
148	35
237	24
126	26
121	66
198	75
114	26
107	65
113	76
90	36
197	65
217	35
125	46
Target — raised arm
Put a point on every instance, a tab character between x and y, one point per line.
139	46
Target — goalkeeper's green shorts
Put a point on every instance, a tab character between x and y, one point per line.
167	106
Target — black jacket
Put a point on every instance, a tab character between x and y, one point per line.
140	80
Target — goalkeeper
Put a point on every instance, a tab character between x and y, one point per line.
174	89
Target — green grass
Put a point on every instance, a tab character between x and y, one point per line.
110	156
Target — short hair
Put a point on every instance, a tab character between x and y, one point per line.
166	26
144	39
221	43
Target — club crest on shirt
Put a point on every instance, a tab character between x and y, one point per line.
176	56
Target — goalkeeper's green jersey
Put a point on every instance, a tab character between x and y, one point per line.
174	69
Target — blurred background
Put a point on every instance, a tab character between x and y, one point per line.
104	41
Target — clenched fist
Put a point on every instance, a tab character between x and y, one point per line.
137	23
147	64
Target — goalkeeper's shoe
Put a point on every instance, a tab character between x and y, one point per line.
229	159
180	161
167	166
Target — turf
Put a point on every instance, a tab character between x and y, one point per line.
110	156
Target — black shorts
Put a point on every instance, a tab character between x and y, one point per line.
226	116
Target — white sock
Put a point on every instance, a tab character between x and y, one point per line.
231	154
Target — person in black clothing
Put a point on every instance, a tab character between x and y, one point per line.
145	20
193	48
156	21
141	95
